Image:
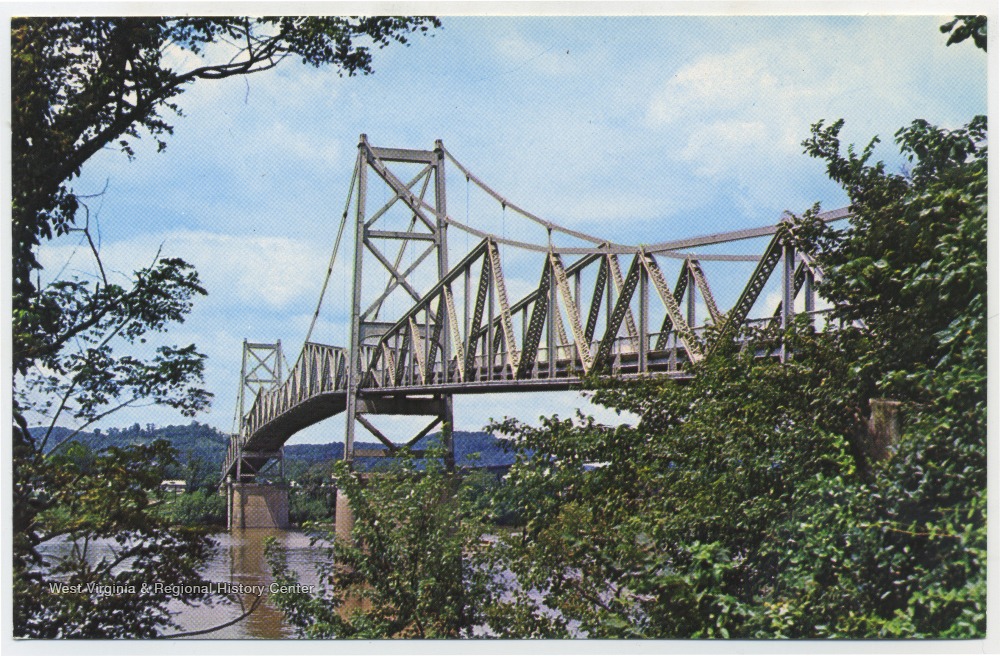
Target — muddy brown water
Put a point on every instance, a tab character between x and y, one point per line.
238	562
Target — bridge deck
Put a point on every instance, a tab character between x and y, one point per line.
598	307
310	396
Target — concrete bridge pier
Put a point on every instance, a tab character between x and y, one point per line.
344	518
254	505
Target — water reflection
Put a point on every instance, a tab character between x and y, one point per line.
239	562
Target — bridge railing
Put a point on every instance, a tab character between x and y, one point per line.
568	365
320	368
664	353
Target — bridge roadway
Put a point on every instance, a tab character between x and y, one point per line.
589	313
316	389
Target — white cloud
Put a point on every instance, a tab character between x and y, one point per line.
741	114
518	53
720	82
272	272
596	209
770	304
716	147
302	145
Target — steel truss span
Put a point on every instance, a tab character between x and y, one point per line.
423	329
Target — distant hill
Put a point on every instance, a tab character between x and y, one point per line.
201	448
472	449
191	440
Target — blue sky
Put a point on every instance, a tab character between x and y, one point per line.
640	129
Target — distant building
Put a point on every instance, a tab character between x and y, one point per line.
177	487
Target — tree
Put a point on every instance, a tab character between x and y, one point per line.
79	346
404	572
197	508
313	499
662	530
81	85
963	27
915	262
746	504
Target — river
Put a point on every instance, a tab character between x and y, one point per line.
238	560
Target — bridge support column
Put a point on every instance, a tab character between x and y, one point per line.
809	295
253	505
344	517
787	294
447	418
884	428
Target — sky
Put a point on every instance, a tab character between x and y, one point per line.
639	129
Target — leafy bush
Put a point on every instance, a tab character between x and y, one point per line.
403	572
746	504
198	508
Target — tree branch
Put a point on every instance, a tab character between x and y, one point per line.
93	248
94	419
187	634
103	311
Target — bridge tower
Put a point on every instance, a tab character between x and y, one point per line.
400	244
249	504
261	371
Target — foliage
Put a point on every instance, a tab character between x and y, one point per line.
80	348
747	503
933	263
489	499
102	533
402	573
74	455
314	497
963	27
198	508
895	272
660	538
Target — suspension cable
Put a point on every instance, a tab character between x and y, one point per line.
526	214
667	248
336	247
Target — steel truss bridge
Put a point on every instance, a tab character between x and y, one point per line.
425	326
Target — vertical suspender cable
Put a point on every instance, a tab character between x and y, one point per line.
336	247
503	213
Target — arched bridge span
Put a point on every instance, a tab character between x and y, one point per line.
487	312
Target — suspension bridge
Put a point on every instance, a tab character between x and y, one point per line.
440	306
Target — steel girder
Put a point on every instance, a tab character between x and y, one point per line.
407	348
319	369
431	347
